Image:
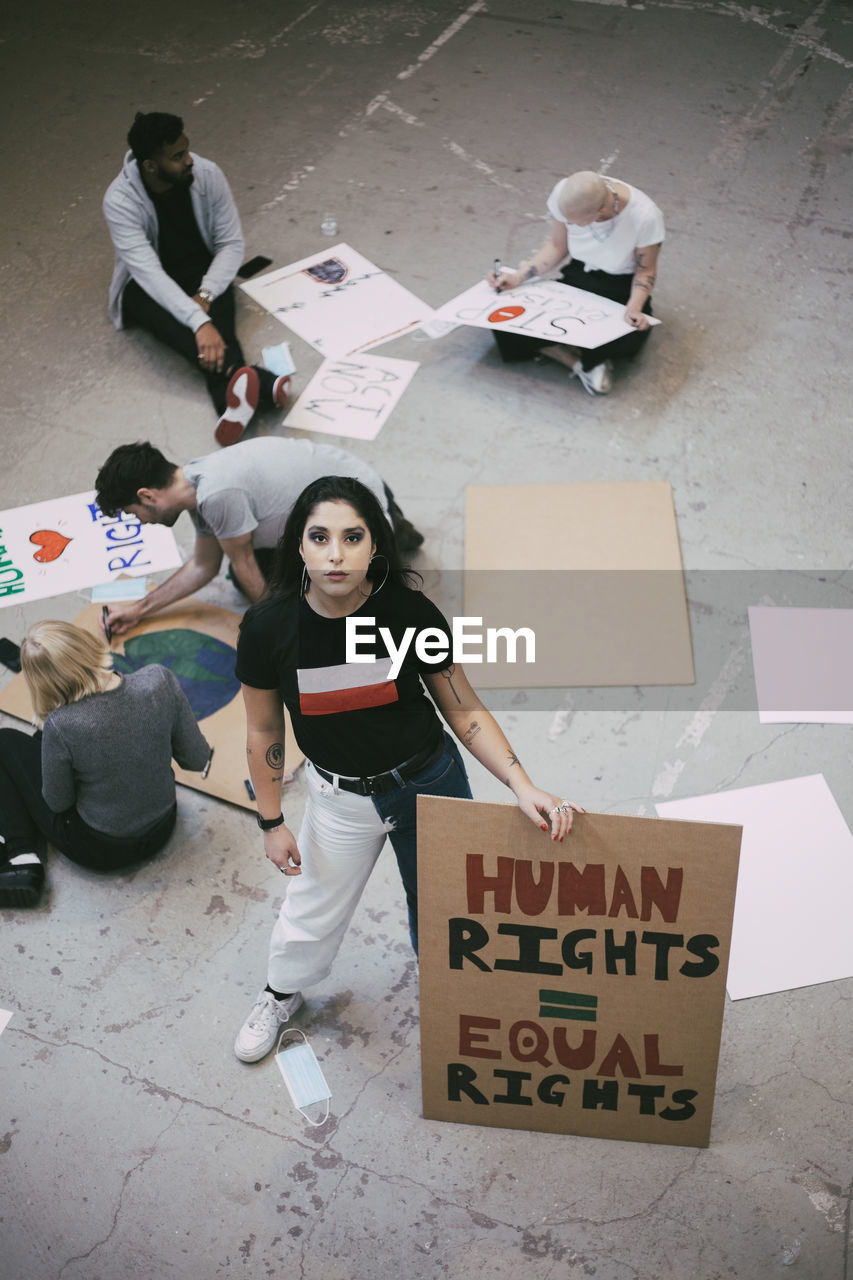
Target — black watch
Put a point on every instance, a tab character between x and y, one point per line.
267	824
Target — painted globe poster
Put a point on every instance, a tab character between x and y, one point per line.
202	664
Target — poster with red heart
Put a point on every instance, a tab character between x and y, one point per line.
63	544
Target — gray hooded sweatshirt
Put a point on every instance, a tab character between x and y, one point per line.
132	221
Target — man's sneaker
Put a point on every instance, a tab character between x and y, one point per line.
241	399
21	880
597	381
281	391
260	1031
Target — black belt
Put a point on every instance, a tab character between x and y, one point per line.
382	782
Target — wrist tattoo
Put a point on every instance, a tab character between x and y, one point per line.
275	755
530	273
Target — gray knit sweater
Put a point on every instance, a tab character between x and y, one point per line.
109	755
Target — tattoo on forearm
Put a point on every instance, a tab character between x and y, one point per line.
448	674
513	760
647	283
470	733
275	755
530	273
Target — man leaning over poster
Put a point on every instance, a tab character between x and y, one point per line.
238	501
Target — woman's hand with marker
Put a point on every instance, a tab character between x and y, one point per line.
501	277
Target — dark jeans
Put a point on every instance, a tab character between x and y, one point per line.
517	346
446	776
142	312
24	815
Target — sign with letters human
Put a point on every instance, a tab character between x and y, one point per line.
63	544
576	987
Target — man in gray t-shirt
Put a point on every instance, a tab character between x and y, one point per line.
238	501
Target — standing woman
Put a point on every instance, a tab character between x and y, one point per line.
97	780
611	233
373	743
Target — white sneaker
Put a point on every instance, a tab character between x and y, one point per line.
597	381
259	1032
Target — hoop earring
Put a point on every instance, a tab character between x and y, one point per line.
378	556
303	585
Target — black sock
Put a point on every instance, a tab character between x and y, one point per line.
279	995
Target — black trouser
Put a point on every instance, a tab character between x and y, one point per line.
24	815
518	346
141	311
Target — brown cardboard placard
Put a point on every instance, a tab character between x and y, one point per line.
224	726
577	987
594	570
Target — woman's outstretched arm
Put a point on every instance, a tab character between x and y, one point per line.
477	729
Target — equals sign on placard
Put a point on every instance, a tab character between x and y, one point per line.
567	1004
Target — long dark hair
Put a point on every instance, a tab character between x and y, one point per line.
287	565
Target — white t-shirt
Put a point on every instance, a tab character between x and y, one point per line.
251	487
611	246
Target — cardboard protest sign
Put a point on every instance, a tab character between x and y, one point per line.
541	309
803	660
352	397
574	988
593	570
48	548
338	301
198	642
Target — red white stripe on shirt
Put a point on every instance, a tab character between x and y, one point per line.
325	691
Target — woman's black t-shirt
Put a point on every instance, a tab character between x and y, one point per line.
349	718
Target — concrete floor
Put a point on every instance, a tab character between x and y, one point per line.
133	1144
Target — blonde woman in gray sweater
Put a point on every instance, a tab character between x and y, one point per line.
96	780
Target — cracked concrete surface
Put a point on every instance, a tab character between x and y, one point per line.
132	1143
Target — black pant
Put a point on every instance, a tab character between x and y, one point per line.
24	815
518	346
141	311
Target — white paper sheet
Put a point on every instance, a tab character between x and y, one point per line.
795	883
803	663
67	543
541	309
339	302
5	1015
352	397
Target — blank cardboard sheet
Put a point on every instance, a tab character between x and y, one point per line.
593	570
795	883
803	662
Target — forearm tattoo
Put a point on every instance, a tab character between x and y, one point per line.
470	733
275	758
530	273
448	674
513	760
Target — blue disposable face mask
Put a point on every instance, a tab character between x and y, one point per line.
301	1072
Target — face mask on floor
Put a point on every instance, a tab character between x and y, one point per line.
301	1071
